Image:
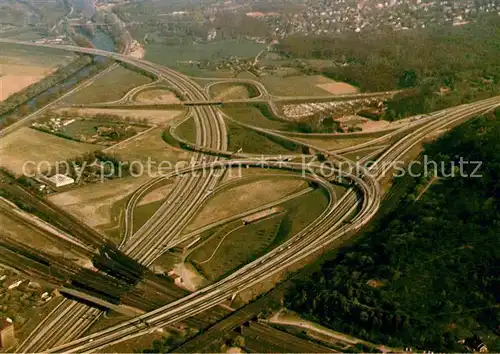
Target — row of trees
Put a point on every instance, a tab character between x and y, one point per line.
33	90
427	274
19	105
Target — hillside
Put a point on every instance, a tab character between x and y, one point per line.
428	274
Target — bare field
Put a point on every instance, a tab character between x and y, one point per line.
314	85
14	78
27	144
21	66
338	88
229	91
93	203
159	117
150	145
244	197
157	96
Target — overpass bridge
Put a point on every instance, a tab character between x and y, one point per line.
101	303
204	103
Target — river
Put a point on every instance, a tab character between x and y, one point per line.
102	40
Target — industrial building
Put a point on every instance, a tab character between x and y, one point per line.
59	180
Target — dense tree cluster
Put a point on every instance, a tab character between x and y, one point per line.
317	123
464	62
402	59
94	167
428	273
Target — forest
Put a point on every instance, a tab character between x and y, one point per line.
438	67
427	273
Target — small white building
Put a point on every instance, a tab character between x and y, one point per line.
59	180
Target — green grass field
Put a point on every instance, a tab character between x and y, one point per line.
144	212
301	212
110	87
223	252
231	91
356	156
245	195
252	142
295	85
195	72
187	130
80	127
253	116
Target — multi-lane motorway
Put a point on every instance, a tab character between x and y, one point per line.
317	235
161	232
167	222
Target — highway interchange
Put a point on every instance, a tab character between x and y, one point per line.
70	319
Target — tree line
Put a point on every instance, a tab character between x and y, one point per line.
48	89
53	79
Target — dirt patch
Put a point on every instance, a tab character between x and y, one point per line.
152	116
338	88
190	277
157	96
374	283
14	78
137	50
369	126
366	125
37	148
